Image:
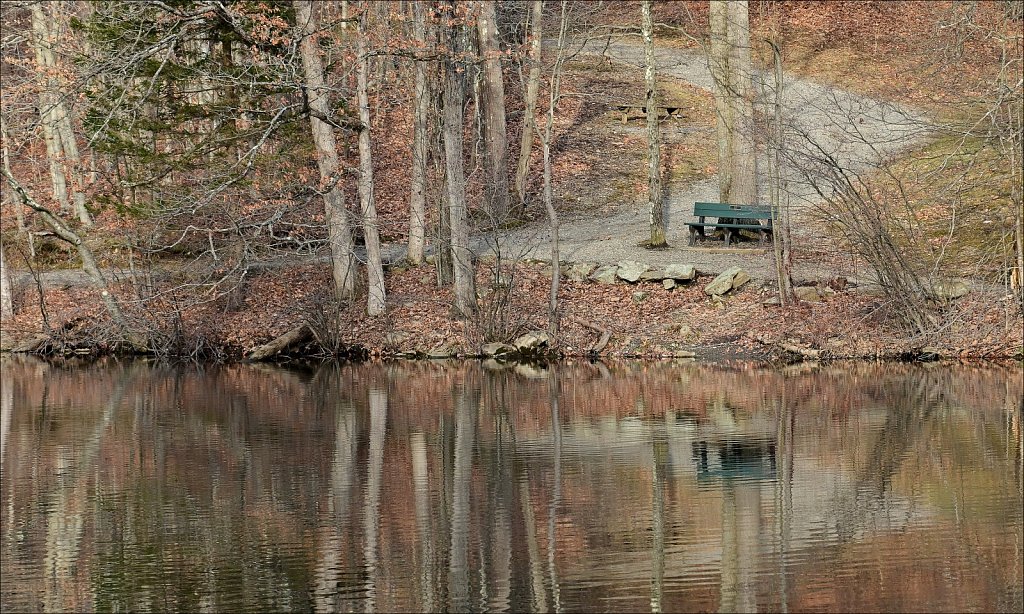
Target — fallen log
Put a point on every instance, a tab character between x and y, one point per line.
276	346
606	334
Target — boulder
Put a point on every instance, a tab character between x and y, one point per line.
682	272
604	274
807	293
631	270
949	290
578	271
772	301
444	350
730	279
653	275
496	349
532	342
668	284
639	297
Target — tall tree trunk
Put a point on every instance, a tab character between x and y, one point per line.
781	239
744	152
547	137
421	107
493	93
374	266
659	213
718	63
340	237
455	178
6	288
61	147
532	89
89	265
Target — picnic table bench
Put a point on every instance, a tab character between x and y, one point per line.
674	111
731	218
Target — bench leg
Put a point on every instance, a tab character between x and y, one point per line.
728	236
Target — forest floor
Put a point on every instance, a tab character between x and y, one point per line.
605	222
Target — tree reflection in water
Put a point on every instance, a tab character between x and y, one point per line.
573	487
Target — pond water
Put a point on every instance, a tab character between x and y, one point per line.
628	486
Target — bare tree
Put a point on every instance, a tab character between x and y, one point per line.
455	178
6	288
340	237
89	265
659	212
530	97
61	147
729	61
374	266
418	180
493	106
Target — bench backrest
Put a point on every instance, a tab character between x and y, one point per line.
754	212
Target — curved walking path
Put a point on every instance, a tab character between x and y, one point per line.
855	130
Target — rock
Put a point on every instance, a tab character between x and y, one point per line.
771	301
604	274
496	349
807	293
444	350
532	341
683	354
949	290
578	271
639	297
730	279
683	272
430	259
668	284
395	338
653	275
631	270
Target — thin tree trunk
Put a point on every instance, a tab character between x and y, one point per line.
5	162
6	288
495	138
455	181
340	237
374	266
744	152
89	265
718	63
546	139
417	196
659	221
532	89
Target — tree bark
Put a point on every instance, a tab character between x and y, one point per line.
532	89
374	266
340	237
6	288
659	213
493	93
744	152
5	162
455	179
421	107
61	147
781	239
718	63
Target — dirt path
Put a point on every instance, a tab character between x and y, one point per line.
857	131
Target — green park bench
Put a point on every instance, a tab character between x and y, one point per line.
731	218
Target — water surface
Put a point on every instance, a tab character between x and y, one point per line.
633	486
